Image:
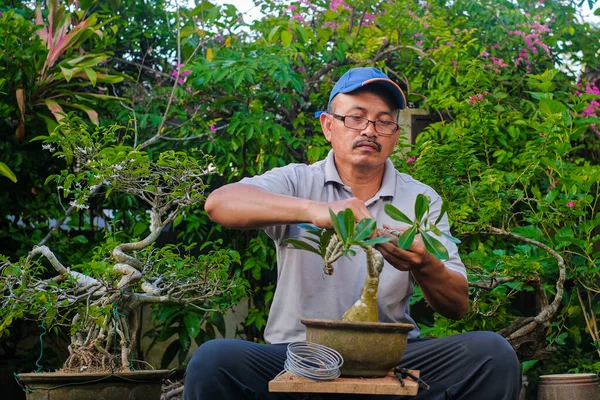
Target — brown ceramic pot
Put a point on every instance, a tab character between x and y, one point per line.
369	349
134	385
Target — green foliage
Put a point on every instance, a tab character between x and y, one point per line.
516	147
347	233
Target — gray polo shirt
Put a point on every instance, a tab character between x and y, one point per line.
303	290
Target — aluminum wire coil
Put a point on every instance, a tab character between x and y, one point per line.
313	361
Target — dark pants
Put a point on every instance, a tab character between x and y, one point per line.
473	366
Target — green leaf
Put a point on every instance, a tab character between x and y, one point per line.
376	240
336	223
286	38
560	339
299	244
527	365
349	222
50	178
272	34
311	229
435	230
343	228
325	237
443	211
91	74
364	229
169	354
434	246
396	214
304	33
5	171
92	114
80	239
550	107
68	73
421	206
406	239
451	238
139	228
192	323
219	322
177	220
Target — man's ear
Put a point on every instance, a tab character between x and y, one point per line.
326	122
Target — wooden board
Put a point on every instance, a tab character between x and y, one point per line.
288	382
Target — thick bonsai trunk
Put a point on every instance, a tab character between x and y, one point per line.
365	309
103	346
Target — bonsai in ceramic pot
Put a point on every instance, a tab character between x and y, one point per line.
369	347
99	299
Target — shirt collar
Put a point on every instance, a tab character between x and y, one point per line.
388	183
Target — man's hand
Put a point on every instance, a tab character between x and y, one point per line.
413	258
320	211
446	291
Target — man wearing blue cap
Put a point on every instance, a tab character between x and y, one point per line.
361	125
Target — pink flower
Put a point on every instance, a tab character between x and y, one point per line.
477	98
499	62
368	19
425	26
309	4
335	4
411	160
420	42
484	54
571	204
299	18
212	128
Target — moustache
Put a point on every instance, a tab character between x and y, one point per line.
369	139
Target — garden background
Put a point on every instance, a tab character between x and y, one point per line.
512	139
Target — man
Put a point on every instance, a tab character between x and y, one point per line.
361	126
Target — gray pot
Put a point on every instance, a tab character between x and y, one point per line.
133	385
568	386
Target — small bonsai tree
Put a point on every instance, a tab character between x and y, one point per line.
99	300
346	234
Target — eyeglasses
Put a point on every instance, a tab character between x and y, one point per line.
384	128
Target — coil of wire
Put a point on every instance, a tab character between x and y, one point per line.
313	361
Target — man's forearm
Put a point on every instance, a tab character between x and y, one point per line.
245	206
445	290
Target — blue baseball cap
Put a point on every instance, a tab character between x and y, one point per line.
359	77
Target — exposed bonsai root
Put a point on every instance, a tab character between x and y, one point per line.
86	359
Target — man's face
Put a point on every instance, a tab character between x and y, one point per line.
359	148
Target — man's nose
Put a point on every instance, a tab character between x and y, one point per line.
369	129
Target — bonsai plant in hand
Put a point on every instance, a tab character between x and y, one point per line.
98	301
369	347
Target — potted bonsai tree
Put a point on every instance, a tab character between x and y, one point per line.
369	347
99	300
